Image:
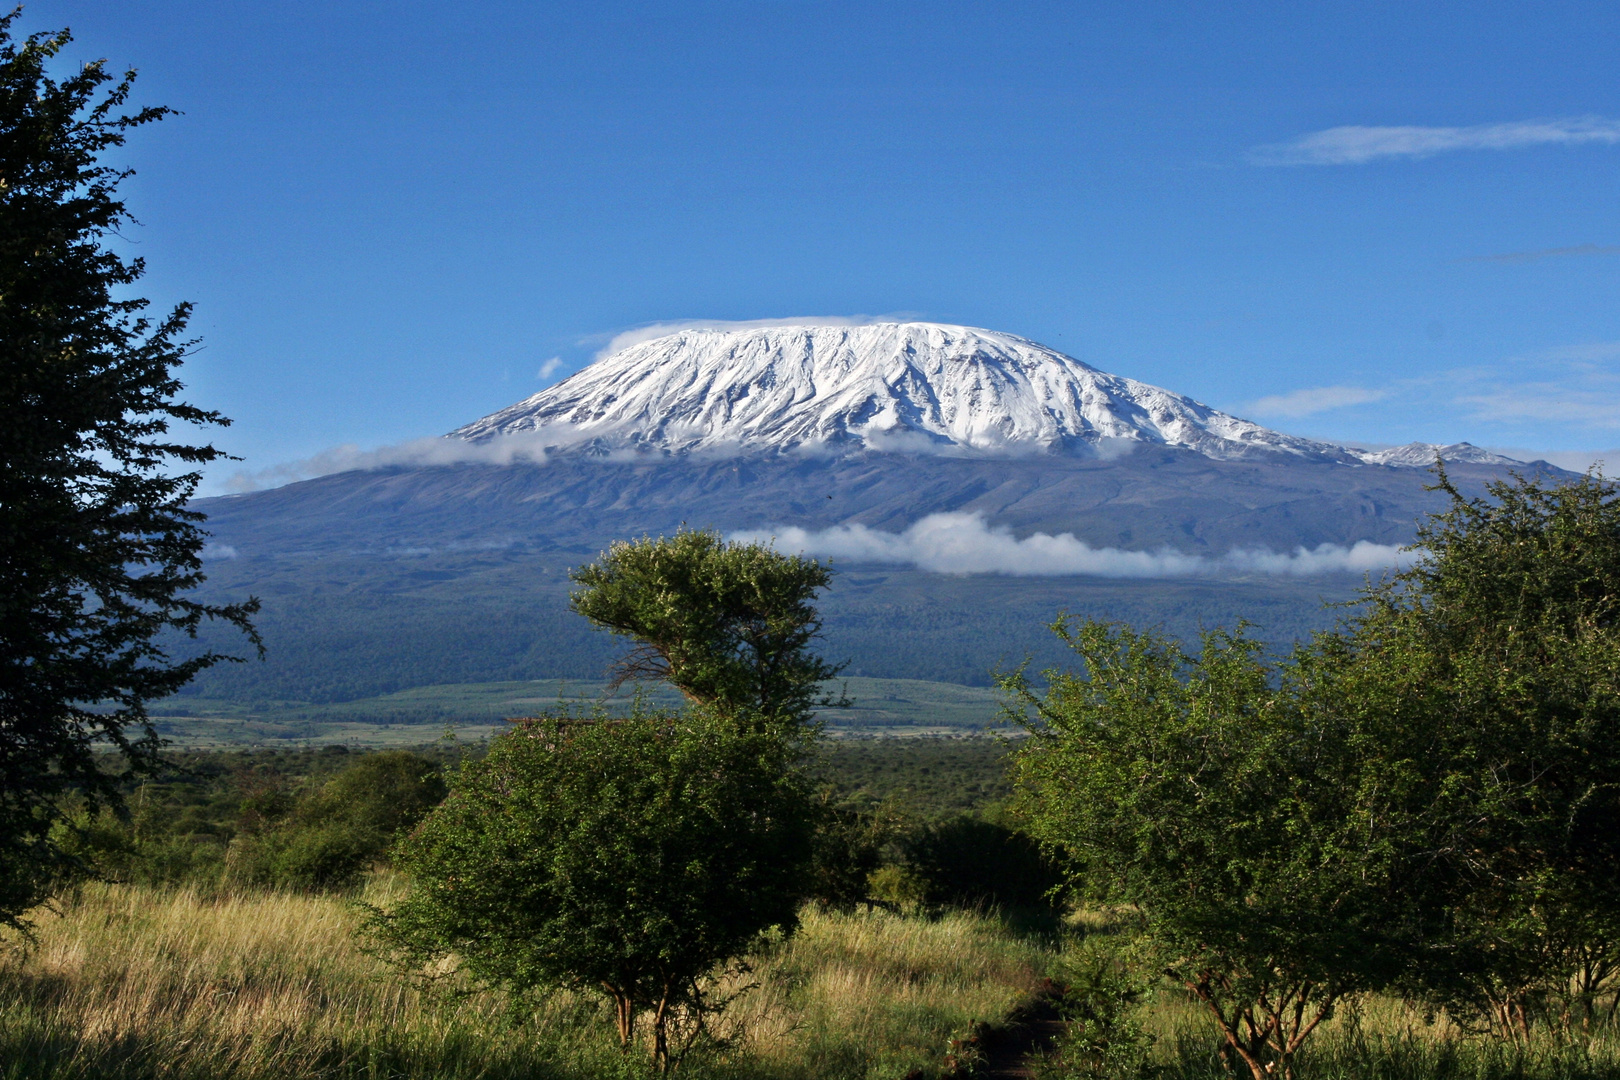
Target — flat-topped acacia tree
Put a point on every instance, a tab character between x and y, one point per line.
728	624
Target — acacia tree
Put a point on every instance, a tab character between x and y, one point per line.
728	624
97	547
1496	658
625	857
1210	796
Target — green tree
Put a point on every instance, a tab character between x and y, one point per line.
1492	666
728	624
1210	796
328	838
626	857
98	550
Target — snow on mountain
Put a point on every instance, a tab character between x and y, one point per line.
897	386
1420	455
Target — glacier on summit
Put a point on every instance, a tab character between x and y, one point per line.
913	386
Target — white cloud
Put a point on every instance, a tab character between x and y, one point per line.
525	446
1572	385
550	368
964	544
1313	400
1353	144
657	330
1546	403
218	551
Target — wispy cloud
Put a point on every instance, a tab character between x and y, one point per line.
1544	253
1570	386
651	331
1315	399
1591	407
550	368
964	544
1353	144
526	447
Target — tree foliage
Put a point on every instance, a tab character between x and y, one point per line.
729	624
630	858
1494	665
97	547
1207	795
328	838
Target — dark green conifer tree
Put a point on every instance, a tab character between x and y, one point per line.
98	549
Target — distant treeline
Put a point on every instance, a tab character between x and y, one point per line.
341	629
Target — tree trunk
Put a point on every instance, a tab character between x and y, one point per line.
625	1013
661	1058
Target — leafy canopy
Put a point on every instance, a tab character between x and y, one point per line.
1208	795
729	624
628	857
1496	658
98	551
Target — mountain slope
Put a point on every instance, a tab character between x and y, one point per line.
378	580
900	386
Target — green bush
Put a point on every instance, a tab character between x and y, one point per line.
330	837
972	862
628	857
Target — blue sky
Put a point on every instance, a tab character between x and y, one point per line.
1364	222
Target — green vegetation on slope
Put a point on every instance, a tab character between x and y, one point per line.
358	625
474	710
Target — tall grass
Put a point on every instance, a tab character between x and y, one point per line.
1373	1038
1383	1038
130	982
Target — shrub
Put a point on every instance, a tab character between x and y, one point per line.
972	862
630	858
327	839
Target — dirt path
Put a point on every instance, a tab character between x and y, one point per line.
1031	1029
1008	1057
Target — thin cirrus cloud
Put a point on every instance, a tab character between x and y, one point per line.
1545	253
957	543
1573	386
1353	144
1588	406
550	368
1313	400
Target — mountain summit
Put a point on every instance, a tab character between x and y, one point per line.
884	386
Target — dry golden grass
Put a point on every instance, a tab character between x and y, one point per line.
134	982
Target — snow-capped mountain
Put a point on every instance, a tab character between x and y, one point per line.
884	386
888	386
1420	455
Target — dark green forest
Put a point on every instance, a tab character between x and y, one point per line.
341	628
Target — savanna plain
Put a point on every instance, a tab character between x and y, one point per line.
230	945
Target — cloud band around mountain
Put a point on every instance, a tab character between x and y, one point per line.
1354	144
957	543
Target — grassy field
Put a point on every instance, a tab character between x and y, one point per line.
1376	1038
475	710
176	984
128	983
